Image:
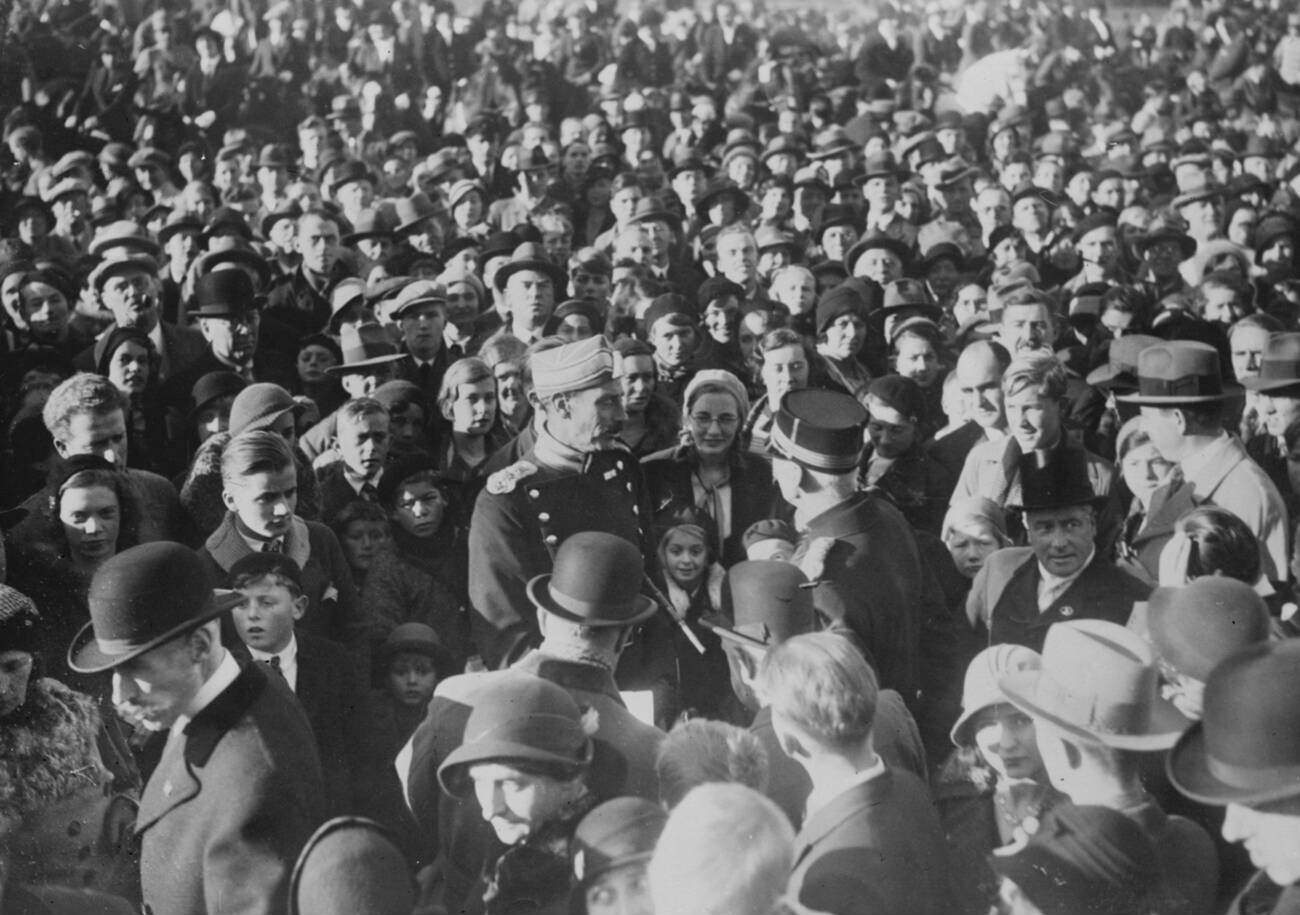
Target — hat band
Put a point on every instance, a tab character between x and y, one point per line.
1182	386
831	463
597	611
1250	777
1280	370
1090	712
115	647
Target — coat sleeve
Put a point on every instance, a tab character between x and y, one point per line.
501	560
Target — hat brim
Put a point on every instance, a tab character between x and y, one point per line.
1166	721
453	771
1186	244
510	269
1188	768
1230	392
898	248
349	367
539	593
731	635
86	657
1269	384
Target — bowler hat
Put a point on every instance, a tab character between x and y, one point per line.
127	235
141	263
1196	626
1246	748
880	165
364	346
618	832
348	172
232	249
873	241
530	256
980	690
289	210
1179	372
1279	365
1055	478
596	581
224	294
141	598
259	406
1098	684
718	188
179	221
350	866
819	429
764	603
835	215
1166	230
1120	373
518	717
370	223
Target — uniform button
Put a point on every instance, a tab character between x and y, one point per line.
629	487
552	540
636	509
1067	611
544	517
533	494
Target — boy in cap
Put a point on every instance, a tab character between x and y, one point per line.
317	671
669	325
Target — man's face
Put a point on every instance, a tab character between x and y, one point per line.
891	432
593	286
1026	328
590	419
637	378
837	240
1247	345
980	384
422	327
530	297
318	242
156	688
1062	537
129	295
672	342
881	194
1279	409
785	369
993	208
233	339
510	390
515	802
363	443
1166	431
1271	837
1035	420
264	501
102	434
1221	305
879	264
623	890
1110	193
1029	215
45	310
737	258
1098	247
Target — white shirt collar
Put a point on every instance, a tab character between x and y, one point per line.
1052	586
820	798
225	674
287	656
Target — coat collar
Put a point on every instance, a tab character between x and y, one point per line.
852	516
846	806
572	675
226	546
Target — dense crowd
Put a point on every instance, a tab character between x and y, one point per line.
649	460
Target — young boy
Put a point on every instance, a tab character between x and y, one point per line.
320	673
361	443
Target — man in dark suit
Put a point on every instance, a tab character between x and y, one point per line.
213	87
727	48
1021	591
420	309
237	790
871	842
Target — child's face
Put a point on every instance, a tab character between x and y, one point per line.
362	540
411	679
363	443
774	549
685	558
420	507
970	546
265	618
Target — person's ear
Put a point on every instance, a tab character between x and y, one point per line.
1073	756
299	606
227	499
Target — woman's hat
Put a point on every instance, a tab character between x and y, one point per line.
1099	684
351	866
214	385
618	832
1193	628
142	598
596	581
259	406
519	718
981	690
20	623
1246	748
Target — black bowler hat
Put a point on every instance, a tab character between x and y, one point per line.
224	293
1056	478
821	430
142	598
596	581
764	603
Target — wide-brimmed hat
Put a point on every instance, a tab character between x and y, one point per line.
363	346
350	866
1120	373
530	256
1246	748
141	598
1099	684
596	581
981	688
371	223
518	717
1195	627
1279	364
348	172
1180	372
618	832
764	603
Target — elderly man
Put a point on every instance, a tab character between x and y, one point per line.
1183	398
1062	574
238	788
578	476
586	611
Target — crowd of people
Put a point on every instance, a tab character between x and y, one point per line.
649	459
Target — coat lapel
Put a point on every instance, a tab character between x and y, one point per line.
837	811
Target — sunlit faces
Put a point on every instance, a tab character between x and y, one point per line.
474	408
155	688
411	679
420	507
515	802
916	358
737	257
796	289
714	419
673	342
1099	247
318	241
102	434
590	285
1145	471
720	317
530	296
1026	327
1062	539
1005	738
636	375
1033	418
970	302
685	557
588	420
510	391
363	442
837	240
45	310
265	617
1221	304
91	518
422	328
130	296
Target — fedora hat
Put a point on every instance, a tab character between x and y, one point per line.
371	223
764	603
530	256
1120	371
348	172
288	210
224	294
1279	365
1179	372
142	598
981	688
518	717
596	581
363	346
1193	628
1099	684
1055	478
347	293
135	263
618	832
879	165
1246	748
651	209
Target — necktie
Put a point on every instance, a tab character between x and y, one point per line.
272	546
426	374
369	492
273	664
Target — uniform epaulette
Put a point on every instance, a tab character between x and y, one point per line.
504	481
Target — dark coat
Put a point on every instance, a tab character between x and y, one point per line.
718	58
918	485
182	348
1188	861
876	849
951	450
335	698
160	514
1264	897
1005	597
230	805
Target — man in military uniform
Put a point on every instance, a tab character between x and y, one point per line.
577	476
857	550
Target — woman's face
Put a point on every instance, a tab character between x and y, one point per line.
91	519
621	891
312	362
970	545
128	368
420	508
714	420
575	327
845	336
45	309
1144	471
685	558
362	540
15	674
796	290
475	407
214	417
1004	736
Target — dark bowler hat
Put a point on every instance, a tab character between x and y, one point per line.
877	240
1246	748
764	603
1166	230
212	386
820	430
879	165
224	294
1180	372
720	187
179	221
1055	478
142	598
1120	373
1279	366
596	581
126	263
618	832
413	211
348	172
363	346
1195	627
287	210
835	214
530	256
517	717
350	866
